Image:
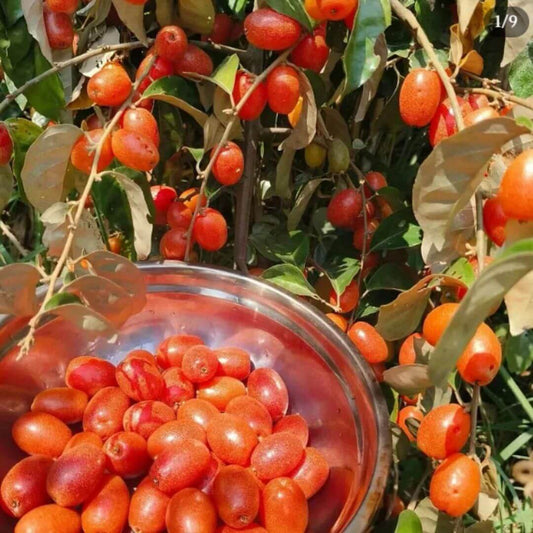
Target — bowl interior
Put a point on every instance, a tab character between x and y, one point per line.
328	382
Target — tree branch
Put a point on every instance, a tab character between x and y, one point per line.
65	64
12	239
210	45
79	206
409	18
501	95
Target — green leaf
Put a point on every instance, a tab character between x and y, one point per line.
224	75
301	203
389	277
171	131
487	292
521	73
396	232
237	6
360	60
279	245
518	352
89	321
290	278
12	11
197	153
294	9
62	298
178	92
433	17
6	185
197	15
462	269
408	522
341	270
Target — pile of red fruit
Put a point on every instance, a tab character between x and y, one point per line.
191	439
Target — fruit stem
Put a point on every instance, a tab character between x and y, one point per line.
68	63
476	394
26	343
409	18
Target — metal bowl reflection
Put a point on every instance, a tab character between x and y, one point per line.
329	382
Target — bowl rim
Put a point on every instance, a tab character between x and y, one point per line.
369	504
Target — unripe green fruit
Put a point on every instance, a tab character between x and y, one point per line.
338	156
315	155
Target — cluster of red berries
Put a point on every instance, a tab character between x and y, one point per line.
202	439
424	101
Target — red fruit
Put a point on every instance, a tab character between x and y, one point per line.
161	68
194	61
59	30
198	411
24	486
178	388
222	30
233	362
127	455
311	52
349	21
269	30
64	403
210	230
443	124
140	379
148	508
338	320
443	431
89	374
295	425
40	434
229	164
481	360
420	97
163	196
85	437
494	220
477	101
312	473
107	510
283	89
199	364
105	412
49	518
479	115
268	387
231	439
455	485
252	528
253	412
348	300
173	244
374	181
283	507
277	455
110	86
369	342
93	122
134	150
179	216
141	354
256	102
177	468
405	413
336	9
6	145
437	321
170	434
311	6
407	355
515	193
236	496
191	511
220	390
76	475
145	417
361	239
138	119
170	352
171	43
62	6
84	150
344	208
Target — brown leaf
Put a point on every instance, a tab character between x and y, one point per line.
6	185
283	174
408	379
460	44
132	15
17	289
43	177
446	182
305	130
165	12
33	14
432	520
84	318
465	11
472	62
92	65
337	126
515	45
482	17
301	203
56	220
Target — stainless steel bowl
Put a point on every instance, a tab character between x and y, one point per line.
329	382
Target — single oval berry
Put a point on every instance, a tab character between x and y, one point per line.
311	52
59	30
269	30
194	61
229	164
110	86
336	9
420	97
255	102
369	342
84	150
210	230
344	208
139	119
134	150
494	220
171	43
516	189
283	89
479	115
62	6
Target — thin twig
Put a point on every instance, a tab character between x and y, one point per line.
79	205
409	18
473	418
12	239
502	95
204	175
210	45
68	63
